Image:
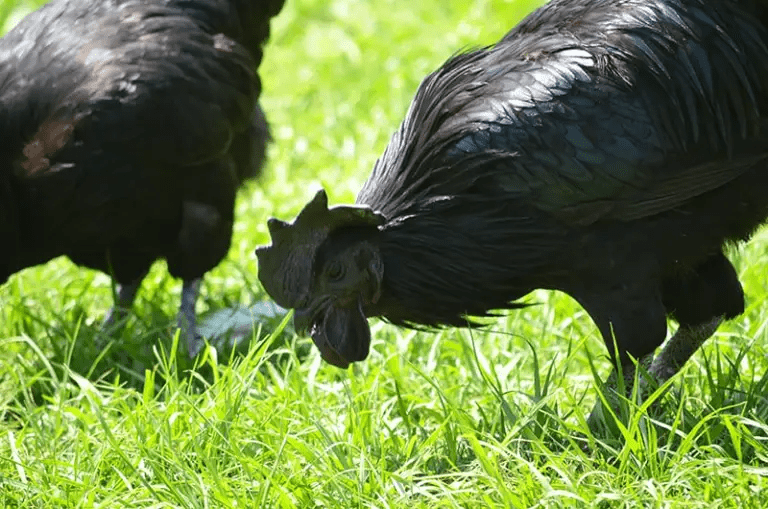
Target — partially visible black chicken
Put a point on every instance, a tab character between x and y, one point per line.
127	127
605	148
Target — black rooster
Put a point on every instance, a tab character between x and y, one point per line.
605	148
127	127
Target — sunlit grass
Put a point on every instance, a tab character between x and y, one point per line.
453	419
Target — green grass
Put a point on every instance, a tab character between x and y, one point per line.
453	419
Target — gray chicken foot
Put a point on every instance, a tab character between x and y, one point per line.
673	356
187	320
124	297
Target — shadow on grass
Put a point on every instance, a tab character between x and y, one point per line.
146	344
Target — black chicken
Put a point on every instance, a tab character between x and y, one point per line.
605	148
127	127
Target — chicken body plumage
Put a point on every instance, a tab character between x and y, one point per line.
128	127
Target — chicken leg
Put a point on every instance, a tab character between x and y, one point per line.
632	320
699	300
680	348
187	319
125	294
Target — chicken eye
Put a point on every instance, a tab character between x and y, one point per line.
335	270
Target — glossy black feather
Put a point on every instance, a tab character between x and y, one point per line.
616	101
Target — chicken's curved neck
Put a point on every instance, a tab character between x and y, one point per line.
440	268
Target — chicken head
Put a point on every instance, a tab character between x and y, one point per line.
326	267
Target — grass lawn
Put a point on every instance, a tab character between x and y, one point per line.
452	419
